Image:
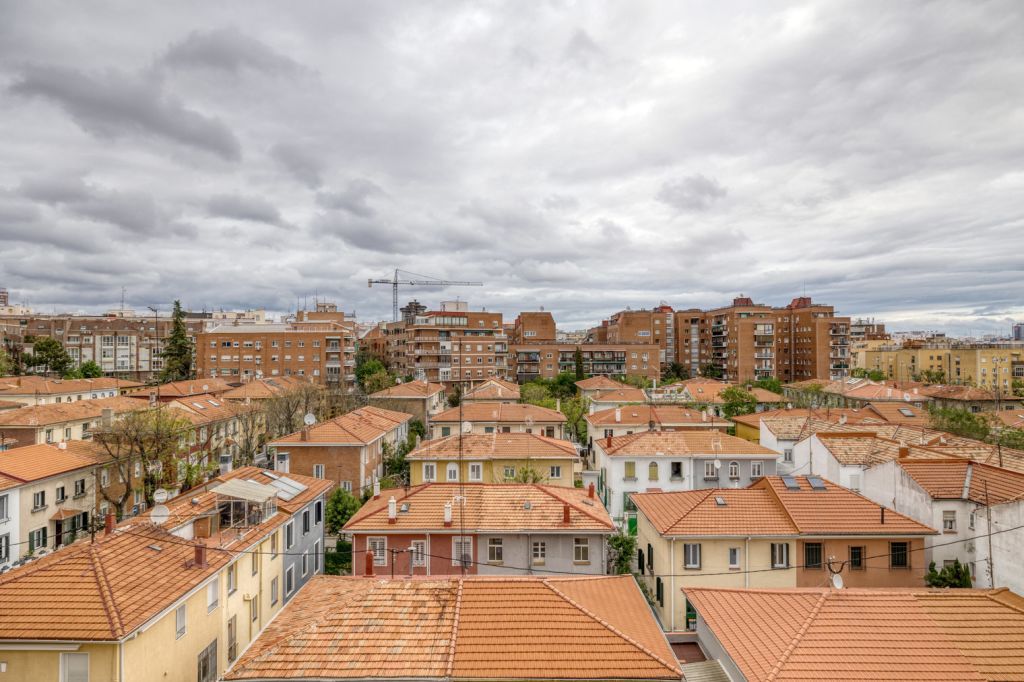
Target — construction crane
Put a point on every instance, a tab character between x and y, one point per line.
424	281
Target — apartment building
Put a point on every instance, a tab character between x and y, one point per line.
993	366
548	360
492	391
57	422
495	458
656	326
499	418
37	390
481	529
124	344
318	345
421	399
453	345
534	327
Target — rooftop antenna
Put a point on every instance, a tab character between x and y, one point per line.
123	290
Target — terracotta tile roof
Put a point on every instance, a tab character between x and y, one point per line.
30	384
474	628
620	395
358	427
951	392
682	444
410	389
830	415
711	392
862	634
488	507
864	449
514	413
872	391
10	405
945	479
1012	418
495	446
661	415
206	409
599	383
104	589
7	482
261	389
899	413
183	389
36	462
837	510
494	389
58	413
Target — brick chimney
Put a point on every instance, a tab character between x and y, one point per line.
883	514
607	442
109	522
200	555
304	434
565	513
591	490
369	562
904	452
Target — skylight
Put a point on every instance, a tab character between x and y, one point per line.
816	483
790	483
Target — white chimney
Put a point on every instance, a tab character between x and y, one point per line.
62	445
842	419
392	509
703	415
618	414
447	514
376	488
888	393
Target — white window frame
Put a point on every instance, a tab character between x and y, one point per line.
476	472
709	469
781	553
555	471
495	551
460	541
449	470
757	469
539	552
949	521
581	550
305	563
318	471
180	621
418	550
787	454
734	551
213	594
430	471
289	580
378	546
274	591
65	673
691	555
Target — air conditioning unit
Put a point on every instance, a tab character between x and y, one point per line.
249	597
969	546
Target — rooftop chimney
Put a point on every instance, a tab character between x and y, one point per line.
703	415
904	452
888	393
200	556
62	445
607	442
883	515
304	434
558	404
618	414
392	510
447	514
591	490
842	419
376	489
109	522
565	512
369	563
106	417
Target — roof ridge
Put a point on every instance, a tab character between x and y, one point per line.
702	500
778	499
796	638
450	665
106	594
546	489
609	626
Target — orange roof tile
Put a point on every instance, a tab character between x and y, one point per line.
410	389
493	389
862	634
262	389
682	444
945	479
475	628
620	395
488	507
36	385
205	408
10	405
36	462
183	389
899	413
58	413
661	415
600	383
515	413
711	392
358	427
953	392
495	446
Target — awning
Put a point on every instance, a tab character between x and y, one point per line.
62	514
245	490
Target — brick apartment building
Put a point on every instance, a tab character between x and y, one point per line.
536	353
319	345
453	345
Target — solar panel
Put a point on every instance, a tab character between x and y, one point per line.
790	483
816	483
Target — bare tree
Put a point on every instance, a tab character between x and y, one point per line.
252	434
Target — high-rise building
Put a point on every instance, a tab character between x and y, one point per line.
1017	333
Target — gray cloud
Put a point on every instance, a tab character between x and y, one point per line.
134	212
229	50
692	193
300	161
114	104
354	198
249	208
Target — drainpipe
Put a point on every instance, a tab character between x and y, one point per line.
672	580
429	558
746	562
120	661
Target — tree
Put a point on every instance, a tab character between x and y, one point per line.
575	410
536	393
710	371
1017	387
368	367
90	370
455	397
284	413
145	450
954	575
6	365
178	350
675	371
341	505
49	354
252	434
637	380
876	375
809	396
563	385
1008	437
769	384
528	474
578	358
931	376
959	422
736	401
621	548
417	430
378	381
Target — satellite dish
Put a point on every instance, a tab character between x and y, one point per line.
837	581
206	387
160	514
309	419
718	464
467	427
398	381
160	495
529	420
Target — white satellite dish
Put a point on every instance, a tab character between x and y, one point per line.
206	387
160	514
398	381
309	419
160	495
718	464
529	420
837	581
467	427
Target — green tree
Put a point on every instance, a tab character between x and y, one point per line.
675	371
367	368
575	410
6	365
528	474
637	380
621	549
417	430
455	397
578	358
1009	438
736	401
536	393
954	575
931	376
959	422
1017	387
811	395
341	505
377	381
49	354
178	350
769	384
563	385
876	375
710	371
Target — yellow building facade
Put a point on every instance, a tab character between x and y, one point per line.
551	470
983	366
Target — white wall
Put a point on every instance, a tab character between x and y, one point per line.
9	526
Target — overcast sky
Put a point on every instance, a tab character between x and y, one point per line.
583	156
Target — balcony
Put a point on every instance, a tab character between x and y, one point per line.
766	355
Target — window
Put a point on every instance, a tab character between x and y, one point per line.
476	471
305	563
710	471
318	471
734	557
429	471
180	621
318	512
608	433
74	667
857	559
756	469
899	555
289	580
378	546
555	472
787	455
233	637
232	578
273	545
949	521
734	470
305	521
812	556
652	471
79	487
289	535
39	500
462	550
691	555
213	594
677	470
780	555
5	548
208	663
419	552
581	550
630	471
446	431
453	472
495	551
104	477
273	591
970	520
61	495
540	552
510	472
255	563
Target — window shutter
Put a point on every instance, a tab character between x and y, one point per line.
650	557
640	560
